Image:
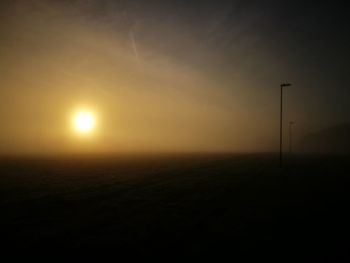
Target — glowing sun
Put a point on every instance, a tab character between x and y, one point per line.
84	121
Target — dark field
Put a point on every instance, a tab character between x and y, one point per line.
185	203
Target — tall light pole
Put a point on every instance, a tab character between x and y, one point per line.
281	119
290	136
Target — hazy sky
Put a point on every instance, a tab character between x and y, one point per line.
169	75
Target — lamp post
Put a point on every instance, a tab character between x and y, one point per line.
281	119
290	136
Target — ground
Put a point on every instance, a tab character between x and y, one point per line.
191	203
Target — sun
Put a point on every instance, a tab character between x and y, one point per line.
84	121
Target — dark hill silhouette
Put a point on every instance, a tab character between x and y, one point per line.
335	139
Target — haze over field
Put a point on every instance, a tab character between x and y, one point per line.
168	75
156	127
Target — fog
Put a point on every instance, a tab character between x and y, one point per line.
152	82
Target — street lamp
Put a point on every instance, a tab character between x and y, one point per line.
281	120
290	136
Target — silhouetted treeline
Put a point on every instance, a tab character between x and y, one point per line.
334	139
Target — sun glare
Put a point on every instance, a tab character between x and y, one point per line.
84	121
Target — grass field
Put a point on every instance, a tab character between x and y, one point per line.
192	203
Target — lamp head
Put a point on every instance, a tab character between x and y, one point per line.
286	84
